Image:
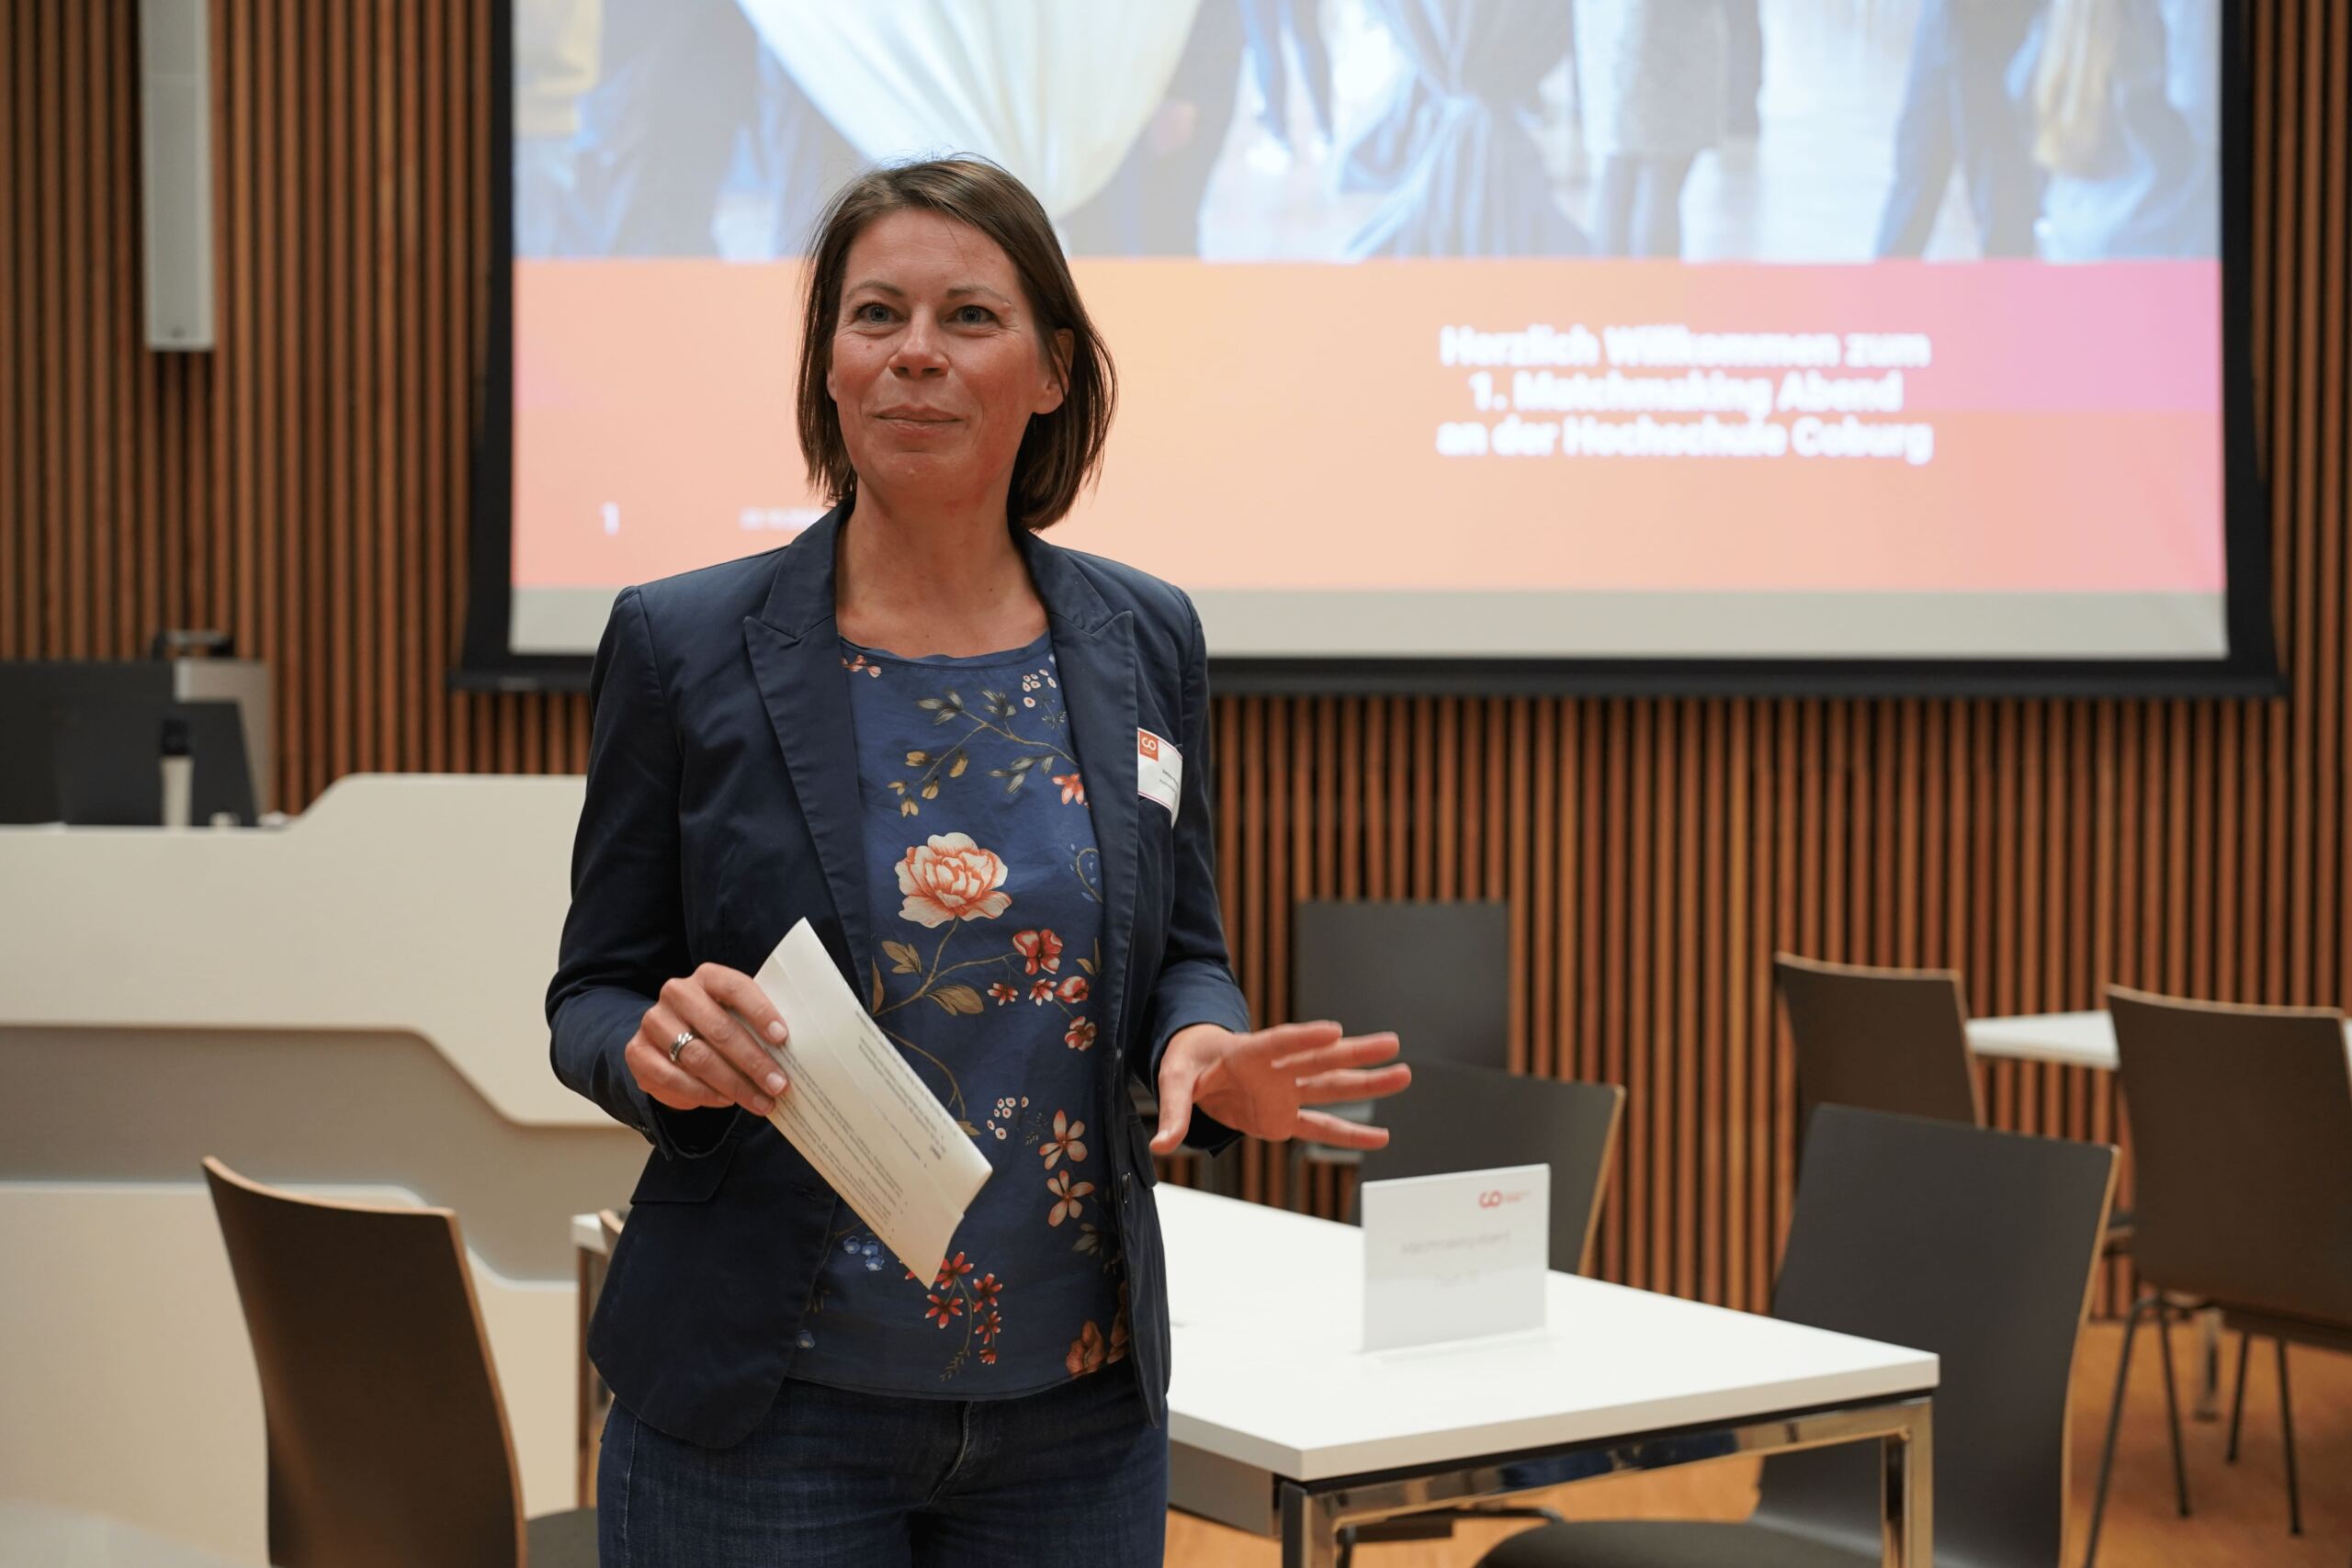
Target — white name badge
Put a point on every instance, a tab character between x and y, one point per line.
1159	771
1455	1257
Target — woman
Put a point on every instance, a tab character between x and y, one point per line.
977	765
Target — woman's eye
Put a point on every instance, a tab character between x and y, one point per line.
975	315
873	310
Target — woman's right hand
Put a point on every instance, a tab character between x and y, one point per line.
722	1065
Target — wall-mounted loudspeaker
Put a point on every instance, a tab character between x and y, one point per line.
175	170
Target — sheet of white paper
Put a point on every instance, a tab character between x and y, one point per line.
858	1113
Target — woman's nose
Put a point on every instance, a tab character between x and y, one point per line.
919	352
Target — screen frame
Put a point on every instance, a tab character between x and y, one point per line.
2251	669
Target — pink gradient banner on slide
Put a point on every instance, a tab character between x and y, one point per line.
2032	428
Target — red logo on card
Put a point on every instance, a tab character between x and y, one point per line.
1148	744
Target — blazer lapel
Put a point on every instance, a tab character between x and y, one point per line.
796	662
1095	652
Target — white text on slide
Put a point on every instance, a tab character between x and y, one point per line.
1660	389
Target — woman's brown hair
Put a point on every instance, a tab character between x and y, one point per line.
1061	451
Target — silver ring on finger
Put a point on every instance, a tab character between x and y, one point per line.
685	1038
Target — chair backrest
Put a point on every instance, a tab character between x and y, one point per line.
2241	1152
1462	1118
1976	1244
387	1438
1437	973
1891	1040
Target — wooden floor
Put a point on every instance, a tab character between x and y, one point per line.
2240	1511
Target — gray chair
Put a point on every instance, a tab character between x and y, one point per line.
388	1440
1893	1040
1439	975
1976	1244
1457	1117
2241	1154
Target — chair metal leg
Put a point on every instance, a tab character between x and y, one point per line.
2114	1420
1347	1545
2286	1430
2237	1400
2172	1409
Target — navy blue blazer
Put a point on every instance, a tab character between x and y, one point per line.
722	806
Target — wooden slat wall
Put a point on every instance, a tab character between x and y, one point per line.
305	485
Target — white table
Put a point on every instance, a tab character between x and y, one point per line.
1280	1425
2069	1039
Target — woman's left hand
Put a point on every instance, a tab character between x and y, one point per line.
1263	1083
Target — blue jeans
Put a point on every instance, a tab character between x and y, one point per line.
1075	1475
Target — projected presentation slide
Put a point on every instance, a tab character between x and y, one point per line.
1718	329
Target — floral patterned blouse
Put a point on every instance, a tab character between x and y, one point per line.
987	921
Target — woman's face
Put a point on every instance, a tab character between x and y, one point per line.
938	364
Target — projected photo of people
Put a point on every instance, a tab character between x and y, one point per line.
1340	130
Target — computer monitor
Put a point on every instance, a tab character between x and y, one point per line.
109	755
38	695
35	697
